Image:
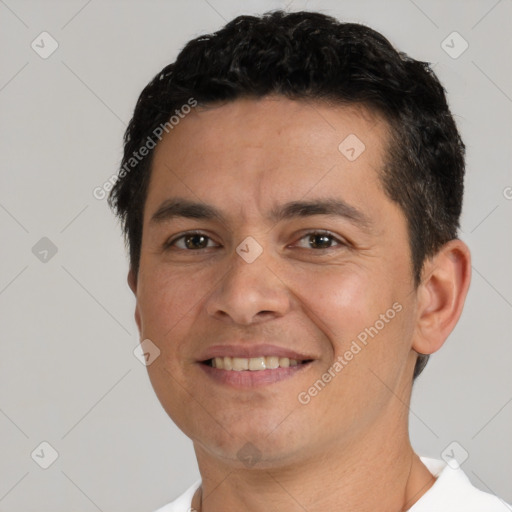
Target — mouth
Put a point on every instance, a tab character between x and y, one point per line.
246	373
250	365
253	364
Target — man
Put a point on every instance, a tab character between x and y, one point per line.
290	192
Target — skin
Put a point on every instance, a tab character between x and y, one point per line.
348	448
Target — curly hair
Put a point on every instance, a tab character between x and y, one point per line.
308	55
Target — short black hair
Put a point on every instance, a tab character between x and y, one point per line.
312	56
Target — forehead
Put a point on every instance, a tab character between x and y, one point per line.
258	151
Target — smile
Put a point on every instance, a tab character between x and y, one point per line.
252	364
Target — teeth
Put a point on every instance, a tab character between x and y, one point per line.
240	363
272	362
257	363
284	362
252	364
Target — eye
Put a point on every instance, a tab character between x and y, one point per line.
320	240
190	241
193	241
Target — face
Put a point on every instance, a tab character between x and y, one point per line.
275	279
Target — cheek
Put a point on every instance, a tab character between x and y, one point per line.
341	301
165	298
168	304
361	313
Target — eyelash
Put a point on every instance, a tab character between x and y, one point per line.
340	243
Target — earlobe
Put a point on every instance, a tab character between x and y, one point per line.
441	295
132	283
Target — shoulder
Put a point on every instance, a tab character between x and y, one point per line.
183	502
453	492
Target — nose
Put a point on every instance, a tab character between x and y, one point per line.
249	293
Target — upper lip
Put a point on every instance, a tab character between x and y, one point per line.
251	350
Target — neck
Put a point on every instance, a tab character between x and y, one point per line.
378	471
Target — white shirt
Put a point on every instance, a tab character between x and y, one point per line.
452	492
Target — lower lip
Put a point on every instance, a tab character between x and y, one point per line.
250	379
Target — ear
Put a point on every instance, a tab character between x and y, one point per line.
132	283
441	295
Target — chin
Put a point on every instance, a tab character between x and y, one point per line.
256	454
254	444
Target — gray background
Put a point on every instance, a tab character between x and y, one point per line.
68	373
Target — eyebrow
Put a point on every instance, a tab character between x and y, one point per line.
178	207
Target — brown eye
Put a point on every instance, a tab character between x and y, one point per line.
319	240
190	241
195	241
